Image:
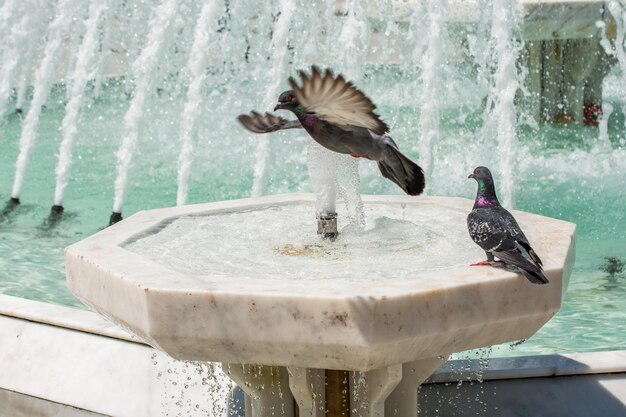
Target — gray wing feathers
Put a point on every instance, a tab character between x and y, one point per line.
487	234
259	123
336	100
496	231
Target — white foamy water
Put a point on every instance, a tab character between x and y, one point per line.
275	78
505	85
44	76
144	69
196	68
280	243
82	74
431	64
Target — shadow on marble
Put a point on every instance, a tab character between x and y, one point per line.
13	404
595	395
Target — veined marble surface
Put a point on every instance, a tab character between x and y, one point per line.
101	374
352	325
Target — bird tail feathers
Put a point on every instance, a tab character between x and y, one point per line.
407	174
516	262
536	277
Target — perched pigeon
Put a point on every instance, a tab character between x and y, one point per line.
495	230
340	118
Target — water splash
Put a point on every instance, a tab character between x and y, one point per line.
242	65
618	49
189	388
353	37
249	244
14	38
431	64
82	74
505	86
144	69
322	164
389	36
7	14
348	188
106	33
277	53
196	69
604	142
44	77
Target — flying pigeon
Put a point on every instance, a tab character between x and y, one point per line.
341	118
495	230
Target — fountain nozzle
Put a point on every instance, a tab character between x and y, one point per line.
327	226
11	204
9	207
56	212
115	217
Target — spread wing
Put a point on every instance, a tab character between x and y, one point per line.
337	101
259	123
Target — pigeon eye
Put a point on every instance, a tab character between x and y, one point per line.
288	98
476	171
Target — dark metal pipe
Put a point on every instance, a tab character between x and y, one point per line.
115	217
337	393
11	205
56	212
327	226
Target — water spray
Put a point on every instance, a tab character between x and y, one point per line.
196	66
43	79
322	165
277	53
144	71
82	73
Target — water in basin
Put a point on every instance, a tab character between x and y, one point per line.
280	243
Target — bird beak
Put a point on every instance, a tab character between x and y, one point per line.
278	106
470	176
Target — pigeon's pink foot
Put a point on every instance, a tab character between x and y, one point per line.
483	263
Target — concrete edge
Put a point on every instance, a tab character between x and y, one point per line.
62	316
16	404
535	366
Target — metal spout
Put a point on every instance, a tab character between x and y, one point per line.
56	214
115	217
11	205
327	226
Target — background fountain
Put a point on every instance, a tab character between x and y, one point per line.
566	170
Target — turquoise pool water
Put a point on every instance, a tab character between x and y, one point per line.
561	172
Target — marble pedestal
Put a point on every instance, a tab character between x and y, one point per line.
279	338
384	392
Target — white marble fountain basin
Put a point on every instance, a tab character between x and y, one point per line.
249	282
